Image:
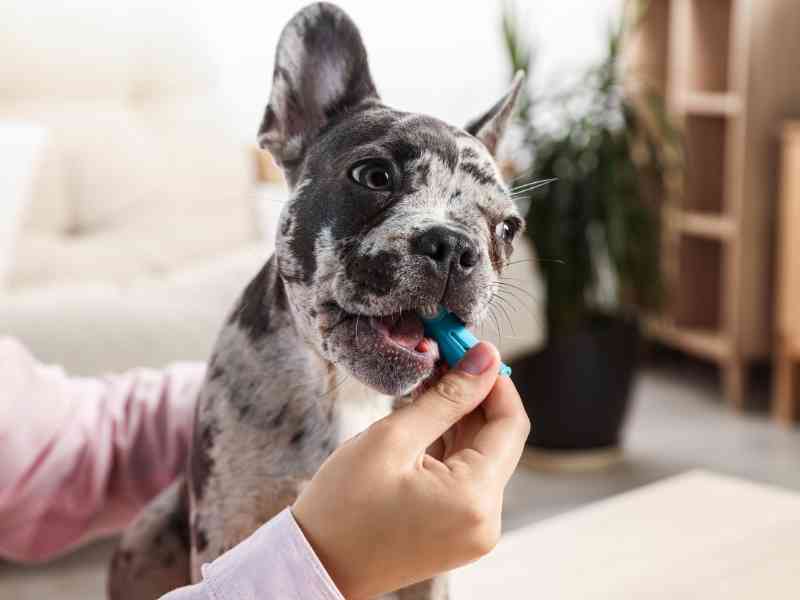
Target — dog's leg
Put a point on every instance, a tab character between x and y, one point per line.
221	521
153	555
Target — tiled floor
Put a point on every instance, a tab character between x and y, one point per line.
678	423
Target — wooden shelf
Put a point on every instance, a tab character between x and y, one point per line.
717	227
786	374
706	33
707	344
727	84
705	141
715	104
648	46
698	296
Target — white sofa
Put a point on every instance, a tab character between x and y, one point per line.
138	220
134	209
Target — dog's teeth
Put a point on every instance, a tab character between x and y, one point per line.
428	311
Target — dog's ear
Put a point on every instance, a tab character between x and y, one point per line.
490	127
321	71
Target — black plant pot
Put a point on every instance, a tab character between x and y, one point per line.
577	389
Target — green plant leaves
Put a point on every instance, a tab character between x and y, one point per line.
611	155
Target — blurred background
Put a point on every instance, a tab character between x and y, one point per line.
650	313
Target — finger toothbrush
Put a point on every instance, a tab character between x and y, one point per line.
452	336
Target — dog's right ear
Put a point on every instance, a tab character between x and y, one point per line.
491	126
321	71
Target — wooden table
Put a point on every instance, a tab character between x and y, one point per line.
698	535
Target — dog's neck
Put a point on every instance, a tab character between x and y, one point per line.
276	381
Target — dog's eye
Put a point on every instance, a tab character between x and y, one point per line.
373	175
508	229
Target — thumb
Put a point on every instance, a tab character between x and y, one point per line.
457	394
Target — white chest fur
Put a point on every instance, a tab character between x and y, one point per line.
357	407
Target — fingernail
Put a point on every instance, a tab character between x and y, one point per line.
477	360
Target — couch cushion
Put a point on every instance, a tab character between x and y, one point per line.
139	144
20	151
94	328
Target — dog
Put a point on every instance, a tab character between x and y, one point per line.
389	213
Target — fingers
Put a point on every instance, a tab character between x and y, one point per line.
504	401
458	393
497	447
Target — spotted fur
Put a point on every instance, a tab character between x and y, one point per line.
297	368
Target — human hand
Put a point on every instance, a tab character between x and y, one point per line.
420	492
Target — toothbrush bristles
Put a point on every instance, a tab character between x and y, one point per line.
428	311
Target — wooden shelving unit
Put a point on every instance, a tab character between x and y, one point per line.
786	385
708	104
728	69
704	225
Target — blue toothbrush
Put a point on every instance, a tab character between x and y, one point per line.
453	337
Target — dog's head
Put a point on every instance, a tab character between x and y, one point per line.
389	211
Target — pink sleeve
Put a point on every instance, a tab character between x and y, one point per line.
78	456
275	562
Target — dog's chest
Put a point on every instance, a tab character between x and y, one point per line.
356	408
285	430
260	460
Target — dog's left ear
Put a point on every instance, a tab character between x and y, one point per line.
490	127
321	71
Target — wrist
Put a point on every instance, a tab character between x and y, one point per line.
325	553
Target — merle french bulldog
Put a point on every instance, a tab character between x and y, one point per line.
389	213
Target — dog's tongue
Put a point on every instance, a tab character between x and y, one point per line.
406	330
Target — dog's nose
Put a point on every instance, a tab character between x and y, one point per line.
447	248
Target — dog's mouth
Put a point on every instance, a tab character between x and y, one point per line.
398	339
390	352
405	331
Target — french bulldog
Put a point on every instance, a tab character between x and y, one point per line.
389	214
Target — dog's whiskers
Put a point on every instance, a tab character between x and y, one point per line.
518	288
527	188
524	174
336	386
527	303
499	305
502	305
517	305
526	260
495	320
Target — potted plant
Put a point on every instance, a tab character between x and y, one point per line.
609	146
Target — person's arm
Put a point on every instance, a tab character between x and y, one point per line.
275	562
79	457
425	507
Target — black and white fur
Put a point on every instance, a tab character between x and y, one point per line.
300	365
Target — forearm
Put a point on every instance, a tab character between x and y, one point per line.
275	562
79	457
